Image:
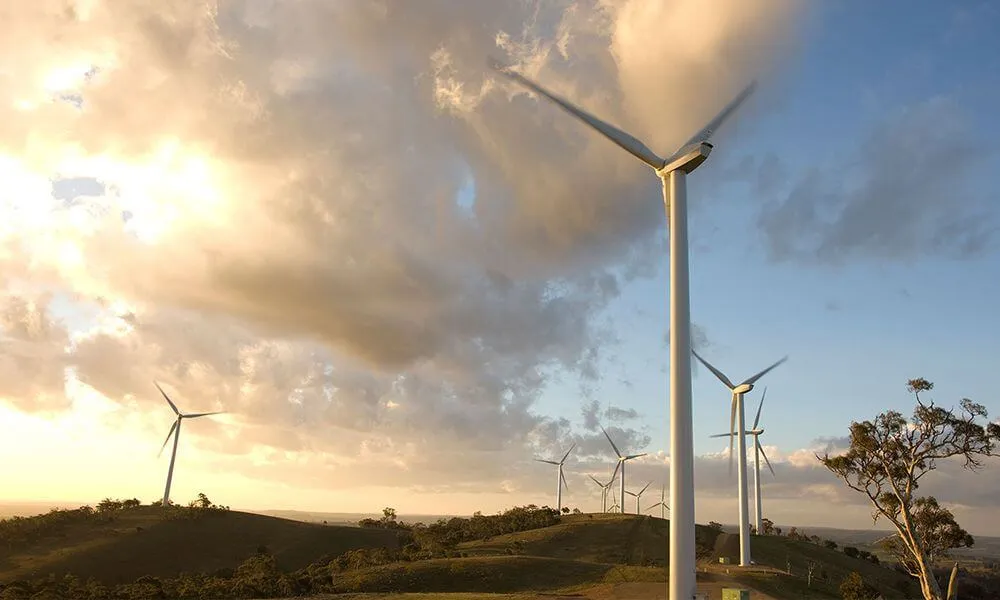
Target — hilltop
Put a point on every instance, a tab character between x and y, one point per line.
152	541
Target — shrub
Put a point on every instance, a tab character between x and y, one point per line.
853	587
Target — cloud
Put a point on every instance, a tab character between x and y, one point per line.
904	192
266	205
32	353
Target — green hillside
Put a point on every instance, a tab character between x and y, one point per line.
156	542
241	553
616	539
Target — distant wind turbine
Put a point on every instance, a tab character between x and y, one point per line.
662	503
560	478
672	172
737	416
175	430
621	461
606	488
637	496
758	451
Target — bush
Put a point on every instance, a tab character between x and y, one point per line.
854	588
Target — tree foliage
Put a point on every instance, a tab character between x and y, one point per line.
890	455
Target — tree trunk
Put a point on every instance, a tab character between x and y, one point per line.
928	583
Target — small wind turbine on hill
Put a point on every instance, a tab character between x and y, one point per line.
606	488
637	496
175	430
737	416
621	462
673	172
758	451
560	477
662	503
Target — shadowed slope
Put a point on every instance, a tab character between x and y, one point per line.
152	541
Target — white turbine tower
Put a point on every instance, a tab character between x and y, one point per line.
606	488
638	495
738	418
560	478
175	430
672	172
662	503
758	451
621	462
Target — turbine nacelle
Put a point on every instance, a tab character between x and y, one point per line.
743	388
686	159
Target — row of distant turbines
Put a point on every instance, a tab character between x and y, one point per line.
737	431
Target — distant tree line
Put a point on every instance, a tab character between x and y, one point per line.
443	535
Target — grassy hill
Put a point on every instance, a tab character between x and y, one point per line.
146	541
616	539
575	553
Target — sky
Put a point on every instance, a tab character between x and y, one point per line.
404	279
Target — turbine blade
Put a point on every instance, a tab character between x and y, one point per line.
631	456
612	443
631	493
563	477
721	435
653	506
567	453
615	472
551	462
759	406
710	128
196	415
644	488
596	481
167	398
754	379
767	462
619	137
719	374
169	433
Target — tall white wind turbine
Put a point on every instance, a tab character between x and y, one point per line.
758	451
672	172
175	430
637	496
622	459
560	478
737	417
662	503
606	487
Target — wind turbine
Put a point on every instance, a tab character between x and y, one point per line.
560	478
737	414
758	451
175	430
621	462
663	505
637	496
605	488
672	172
